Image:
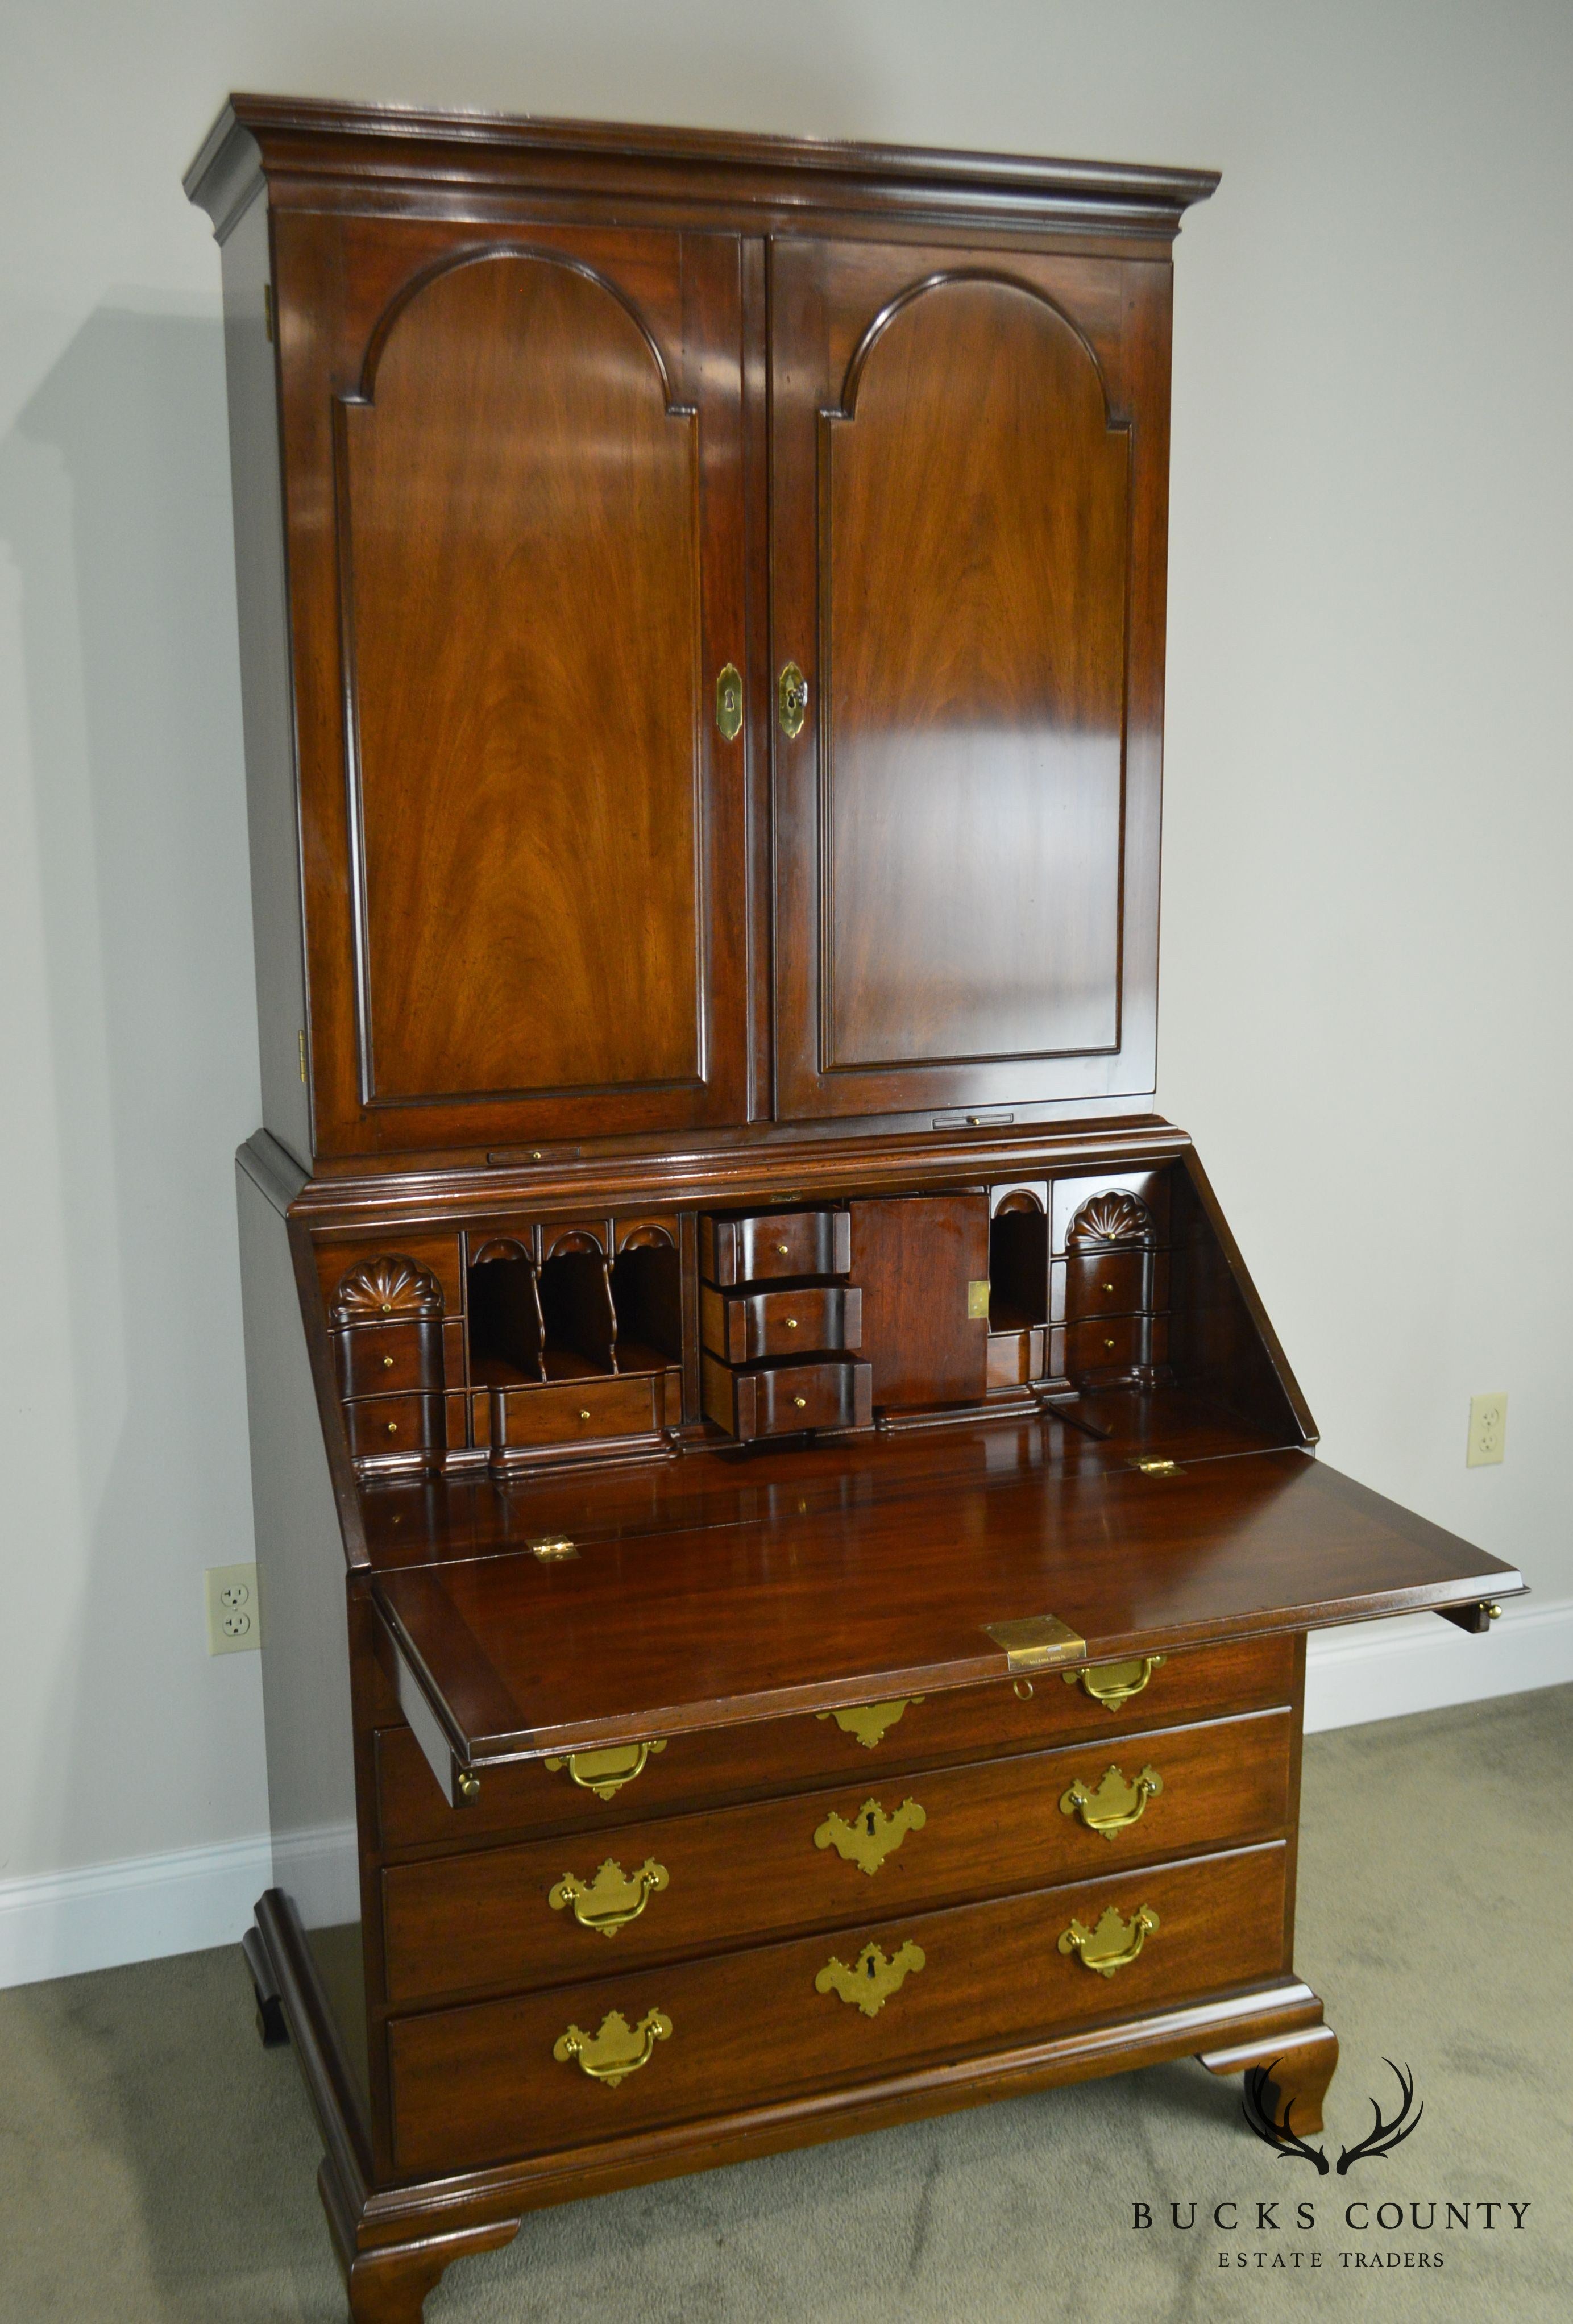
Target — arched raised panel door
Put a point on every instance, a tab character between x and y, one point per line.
967	819
536	512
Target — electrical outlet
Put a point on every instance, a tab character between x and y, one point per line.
1487	1430
235	1622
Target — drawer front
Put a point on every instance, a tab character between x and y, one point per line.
740	1328
1110	1282
498	2079
389	1358
565	1412
1082	1351
556	1911
386	1426
774	1757
1015	1357
781	1398
775	1243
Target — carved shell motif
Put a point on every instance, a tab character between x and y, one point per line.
1112	1218
388	1285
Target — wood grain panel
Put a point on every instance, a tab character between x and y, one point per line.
523	533
743	1874
913	1257
972	674
478	2084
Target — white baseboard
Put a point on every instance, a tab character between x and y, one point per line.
59	1924
100	1915
1418	1662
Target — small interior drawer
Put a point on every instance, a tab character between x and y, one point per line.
1015	1357
389	1359
580	1411
741	1327
1106	1282
1119	1345
777	1399
749	1248
392	1427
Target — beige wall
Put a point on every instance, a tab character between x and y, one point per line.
1370	800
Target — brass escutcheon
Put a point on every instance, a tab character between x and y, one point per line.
1113	1805
606	1772
1114	1685
870	1721
1114	1943
792	699
871	1980
873	1836
728	703
619	2049
613	1898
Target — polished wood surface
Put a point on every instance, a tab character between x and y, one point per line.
525	1658
967	565
914	1259
477	2084
743	1874
522	553
720	1766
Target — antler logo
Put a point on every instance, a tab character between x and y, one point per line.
1383	2137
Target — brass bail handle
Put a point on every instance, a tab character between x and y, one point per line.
792	699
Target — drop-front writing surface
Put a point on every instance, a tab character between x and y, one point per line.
967	564
536	474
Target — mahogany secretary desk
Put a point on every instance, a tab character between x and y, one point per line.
785	1537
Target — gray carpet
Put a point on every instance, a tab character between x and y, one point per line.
156	2163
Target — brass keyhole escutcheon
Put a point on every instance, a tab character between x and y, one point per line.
729	703
792	699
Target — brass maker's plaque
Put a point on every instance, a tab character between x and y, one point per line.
1037	1640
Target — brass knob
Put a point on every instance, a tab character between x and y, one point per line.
1109	1289
584	1412
801	1402
469	1785
790	1323
1494	1613
387	1363
1022	1690
393	1428
781	1249
1109	1343
387	1308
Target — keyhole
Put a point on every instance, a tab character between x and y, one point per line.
869	1966
869	1820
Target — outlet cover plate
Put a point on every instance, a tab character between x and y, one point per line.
1487	1431
235	1622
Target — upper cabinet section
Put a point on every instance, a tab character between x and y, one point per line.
968	459
703	612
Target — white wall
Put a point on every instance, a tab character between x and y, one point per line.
1370	799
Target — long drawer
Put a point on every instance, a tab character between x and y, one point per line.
507	2079
561	1909
781	1755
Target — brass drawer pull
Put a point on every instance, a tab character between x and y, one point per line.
613	1898
1114	1685
605	1772
873	1837
870	1721
871	1980
1114	1805
619	2049
1114	1943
